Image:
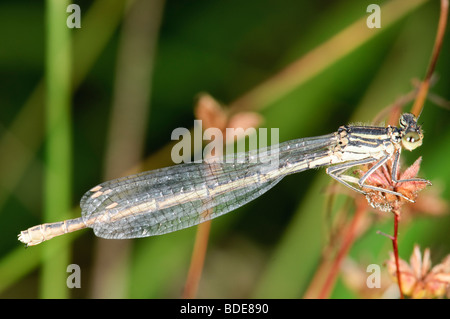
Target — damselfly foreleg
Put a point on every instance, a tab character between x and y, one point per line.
337	172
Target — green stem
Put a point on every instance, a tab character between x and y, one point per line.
58	155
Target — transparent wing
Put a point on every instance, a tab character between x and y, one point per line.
172	198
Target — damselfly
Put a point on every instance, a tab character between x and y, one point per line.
169	199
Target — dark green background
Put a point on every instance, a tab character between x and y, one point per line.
270	247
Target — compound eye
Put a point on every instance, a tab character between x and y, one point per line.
411	140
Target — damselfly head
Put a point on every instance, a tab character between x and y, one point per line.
411	132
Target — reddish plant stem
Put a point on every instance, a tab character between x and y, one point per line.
417	109
343	251
395	248
425	84
197	260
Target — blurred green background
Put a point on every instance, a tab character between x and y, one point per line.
161	55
